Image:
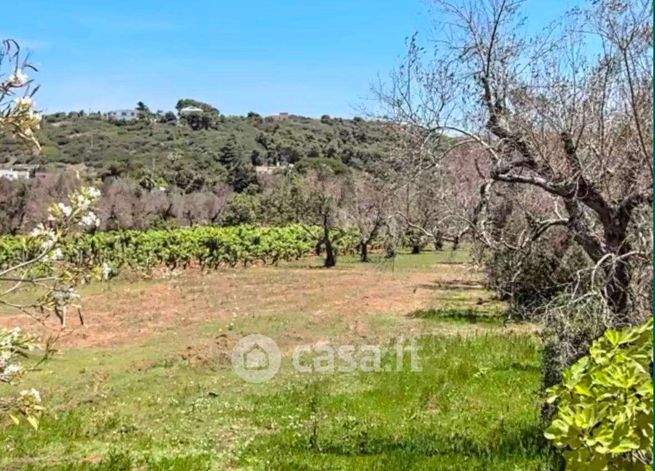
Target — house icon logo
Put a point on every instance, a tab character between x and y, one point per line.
256	358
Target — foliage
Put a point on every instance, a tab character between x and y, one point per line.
206	246
605	404
135	149
17	115
15	346
336	166
38	261
241	174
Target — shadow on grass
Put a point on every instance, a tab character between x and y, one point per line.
455	285
511	445
469	316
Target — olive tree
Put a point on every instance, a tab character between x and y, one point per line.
565	113
318	201
366	209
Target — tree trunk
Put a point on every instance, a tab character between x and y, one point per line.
617	295
618	274
455	242
438	241
363	252
330	258
416	249
615	244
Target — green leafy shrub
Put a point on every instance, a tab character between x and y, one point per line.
205	246
604	404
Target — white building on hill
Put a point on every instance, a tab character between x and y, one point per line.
123	115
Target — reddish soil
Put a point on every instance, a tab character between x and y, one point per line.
127	313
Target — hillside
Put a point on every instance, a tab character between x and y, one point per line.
148	148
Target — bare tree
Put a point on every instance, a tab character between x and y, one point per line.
14	197
366	208
200	207
117	206
153	207
567	113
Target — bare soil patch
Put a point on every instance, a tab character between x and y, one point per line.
129	313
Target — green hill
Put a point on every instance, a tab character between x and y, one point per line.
156	149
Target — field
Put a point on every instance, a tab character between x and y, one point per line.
148	382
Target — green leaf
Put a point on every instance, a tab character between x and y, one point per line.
33	421
557	429
614	336
624	446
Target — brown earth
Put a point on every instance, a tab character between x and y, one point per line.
349	298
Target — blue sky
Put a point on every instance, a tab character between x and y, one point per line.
309	57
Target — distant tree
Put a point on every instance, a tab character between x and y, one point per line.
154	208
314	152
189	102
279	197
205	119
367	206
318	202
240	174
168	118
141	107
243	208
255	117
263	140
117	207
14	197
256	158
197	120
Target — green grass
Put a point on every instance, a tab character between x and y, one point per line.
474	406
470	316
449	416
404	261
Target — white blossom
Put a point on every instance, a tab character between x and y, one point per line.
56	254
9	372
32	394
17	79
39	230
81	201
90	220
48	244
106	271
25	101
65	209
93	192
